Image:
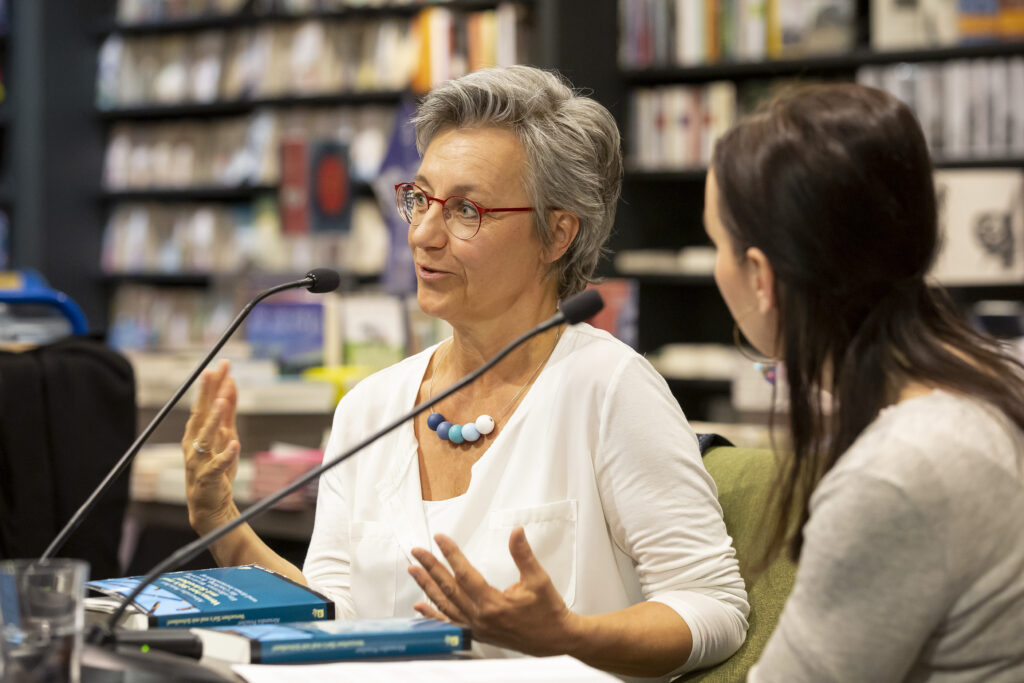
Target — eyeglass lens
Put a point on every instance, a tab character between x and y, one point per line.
460	214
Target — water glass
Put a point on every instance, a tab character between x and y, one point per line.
41	620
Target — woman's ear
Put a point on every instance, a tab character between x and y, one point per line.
564	228
762	280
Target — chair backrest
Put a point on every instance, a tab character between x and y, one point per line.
745	478
67	412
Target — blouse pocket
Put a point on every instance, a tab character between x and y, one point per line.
374	569
551	531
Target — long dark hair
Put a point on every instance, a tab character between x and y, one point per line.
834	184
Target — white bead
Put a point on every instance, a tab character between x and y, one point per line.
484	424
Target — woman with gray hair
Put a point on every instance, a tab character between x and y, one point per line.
565	489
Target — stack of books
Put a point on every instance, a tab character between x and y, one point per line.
896	24
680	33
674	127
249	614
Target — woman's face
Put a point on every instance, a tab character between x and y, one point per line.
741	278
502	268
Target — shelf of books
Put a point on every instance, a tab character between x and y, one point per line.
691	69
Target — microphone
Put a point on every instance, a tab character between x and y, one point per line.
573	310
317	281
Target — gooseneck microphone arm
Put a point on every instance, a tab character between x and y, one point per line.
317	281
574	310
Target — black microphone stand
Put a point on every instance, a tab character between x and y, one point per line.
187	552
309	281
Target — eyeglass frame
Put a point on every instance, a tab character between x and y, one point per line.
480	210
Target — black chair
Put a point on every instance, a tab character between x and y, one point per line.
67	413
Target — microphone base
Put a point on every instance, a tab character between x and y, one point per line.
106	665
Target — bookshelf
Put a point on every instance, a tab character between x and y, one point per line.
205	22
246	106
844	64
662	206
699	174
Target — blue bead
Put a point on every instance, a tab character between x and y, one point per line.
443	429
455	434
470	432
434	419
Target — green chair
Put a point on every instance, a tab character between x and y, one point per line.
745	478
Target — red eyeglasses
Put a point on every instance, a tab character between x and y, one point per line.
462	216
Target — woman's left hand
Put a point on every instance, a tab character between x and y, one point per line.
529	616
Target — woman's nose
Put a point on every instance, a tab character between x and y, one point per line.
431	231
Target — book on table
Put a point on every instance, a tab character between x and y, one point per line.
324	641
222	596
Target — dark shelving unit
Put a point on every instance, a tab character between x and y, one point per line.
689	175
205	22
238	194
241	107
241	193
349	281
672	279
188	280
821	65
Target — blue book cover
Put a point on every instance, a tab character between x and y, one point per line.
221	596
321	641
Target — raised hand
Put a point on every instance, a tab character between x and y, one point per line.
529	616
211	450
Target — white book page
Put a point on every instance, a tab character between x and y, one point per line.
563	669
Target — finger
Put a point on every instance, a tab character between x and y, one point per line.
229	392
209	385
206	438
429	612
199	408
223	461
436	594
466	575
522	554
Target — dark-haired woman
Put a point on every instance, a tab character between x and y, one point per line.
907	494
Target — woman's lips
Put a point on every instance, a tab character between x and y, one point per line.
429	274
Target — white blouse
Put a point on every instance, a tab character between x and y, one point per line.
597	463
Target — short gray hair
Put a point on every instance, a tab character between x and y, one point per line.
571	143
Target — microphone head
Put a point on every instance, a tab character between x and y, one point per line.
582	306
324	280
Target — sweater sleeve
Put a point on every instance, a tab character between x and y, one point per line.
869	591
662	509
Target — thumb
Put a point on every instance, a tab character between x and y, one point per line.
522	555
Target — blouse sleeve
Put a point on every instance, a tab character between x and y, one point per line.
663	511
328	563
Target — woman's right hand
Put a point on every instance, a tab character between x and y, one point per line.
211	450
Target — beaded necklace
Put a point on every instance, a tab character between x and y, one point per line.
485	424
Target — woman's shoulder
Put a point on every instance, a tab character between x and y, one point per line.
587	345
931	445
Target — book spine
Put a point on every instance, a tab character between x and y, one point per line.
357	647
256	615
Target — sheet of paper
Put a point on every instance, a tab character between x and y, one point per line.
562	669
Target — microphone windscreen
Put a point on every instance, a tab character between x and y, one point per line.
582	306
324	280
